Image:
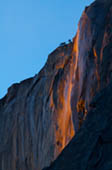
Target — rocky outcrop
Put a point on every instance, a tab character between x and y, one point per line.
92	48
40	115
35	115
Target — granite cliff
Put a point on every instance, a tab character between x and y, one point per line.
40	116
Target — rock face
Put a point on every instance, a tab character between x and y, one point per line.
91	148
36	117
92	49
40	115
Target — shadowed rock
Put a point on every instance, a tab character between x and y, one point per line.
91	148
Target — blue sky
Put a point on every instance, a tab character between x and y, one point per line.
29	31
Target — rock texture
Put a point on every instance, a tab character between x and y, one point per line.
92	49
91	148
40	115
36	117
